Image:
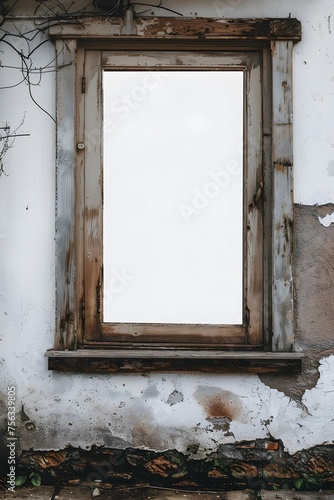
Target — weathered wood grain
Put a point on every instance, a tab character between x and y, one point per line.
180	27
282	160
253	209
205	361
93	131
160	332
65	181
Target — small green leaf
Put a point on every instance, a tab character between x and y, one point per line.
36	480
298	483
313	480
20	480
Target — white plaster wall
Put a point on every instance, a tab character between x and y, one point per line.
122	410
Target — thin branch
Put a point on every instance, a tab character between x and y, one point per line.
54	12
159	6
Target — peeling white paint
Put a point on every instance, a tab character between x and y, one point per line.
114	411
135	410
327	220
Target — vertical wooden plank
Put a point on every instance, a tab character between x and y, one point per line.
282	305
254	202
65	182
93	194
267	198
80	197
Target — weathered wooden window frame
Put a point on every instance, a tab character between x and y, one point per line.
98	333
75	349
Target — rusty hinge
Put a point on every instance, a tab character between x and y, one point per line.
83	84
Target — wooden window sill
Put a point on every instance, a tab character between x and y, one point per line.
174	360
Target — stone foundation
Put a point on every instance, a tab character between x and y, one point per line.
260	464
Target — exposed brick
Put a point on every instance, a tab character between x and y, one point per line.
279	471
234	465
321	465
244	470
161	466
271	446
50	459
215	473
245	444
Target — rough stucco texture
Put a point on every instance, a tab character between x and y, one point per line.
313	297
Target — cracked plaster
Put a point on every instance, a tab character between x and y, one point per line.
151	423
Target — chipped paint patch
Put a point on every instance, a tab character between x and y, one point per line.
327	220
175	397
300	420
217	409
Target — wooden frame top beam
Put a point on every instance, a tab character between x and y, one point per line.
104	27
